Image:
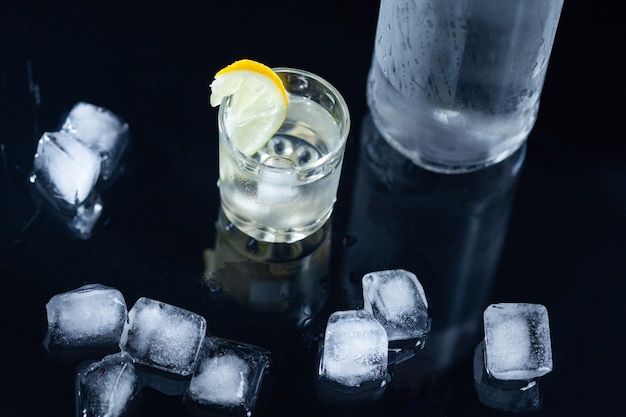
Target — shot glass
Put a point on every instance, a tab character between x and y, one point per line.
454	85
287	190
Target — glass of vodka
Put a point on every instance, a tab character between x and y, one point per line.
454	85
286	191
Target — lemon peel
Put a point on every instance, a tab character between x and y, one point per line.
257	104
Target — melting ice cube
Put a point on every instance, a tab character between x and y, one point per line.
65	170
228	374
102	130
106	388
517	341
355	348
68	164
397	299
92	316
163	336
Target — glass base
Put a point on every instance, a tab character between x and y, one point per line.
457	165
271	235
451	168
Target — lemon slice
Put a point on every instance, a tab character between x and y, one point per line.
257	106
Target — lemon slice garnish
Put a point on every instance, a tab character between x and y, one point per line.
257	106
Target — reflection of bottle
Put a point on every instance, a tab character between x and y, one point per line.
447	229
265	291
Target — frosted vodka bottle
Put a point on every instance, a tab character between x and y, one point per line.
455	84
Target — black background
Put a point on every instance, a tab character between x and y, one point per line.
152	62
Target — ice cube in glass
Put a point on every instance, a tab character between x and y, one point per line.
517	341
163	336
90	317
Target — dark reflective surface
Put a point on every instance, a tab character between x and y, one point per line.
520	398
270	294
548	230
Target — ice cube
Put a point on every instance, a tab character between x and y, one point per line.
517	341
102	130
163	336
65	170
106	388
397	299
228	374
90	317
355	349
278	182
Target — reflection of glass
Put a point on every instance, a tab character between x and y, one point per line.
455	84
73	165
447	229
287	190
262	286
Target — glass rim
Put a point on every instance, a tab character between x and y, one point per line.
334	154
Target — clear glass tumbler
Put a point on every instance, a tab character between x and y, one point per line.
287	190
454	85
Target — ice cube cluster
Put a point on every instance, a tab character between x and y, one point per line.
156	345
360	346
74	164
516	351
169	349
